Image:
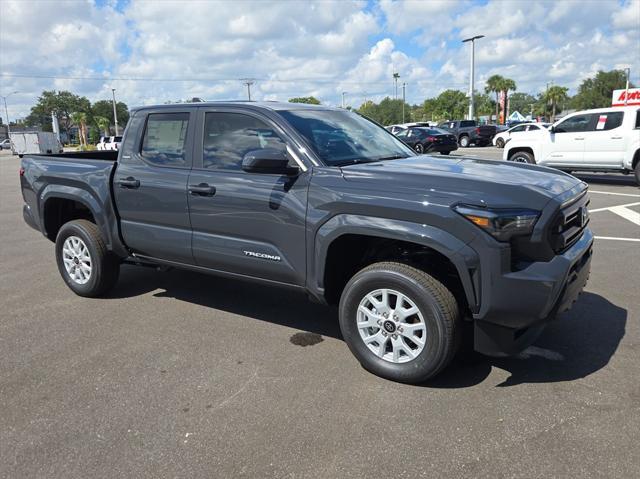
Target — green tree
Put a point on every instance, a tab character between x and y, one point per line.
495	85
484	105
387	112
103	124
79	119
62	103
555	95
311	100
522	102
105	108
596	92
451	105
507	85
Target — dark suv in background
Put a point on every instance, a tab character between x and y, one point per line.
468	132
428	140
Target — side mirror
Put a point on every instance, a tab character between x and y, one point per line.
268	161
552	129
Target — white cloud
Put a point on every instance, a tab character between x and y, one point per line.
296	48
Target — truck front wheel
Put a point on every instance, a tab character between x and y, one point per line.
464	141
86	265
522	157
400	323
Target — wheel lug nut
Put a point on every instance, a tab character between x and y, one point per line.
379	322
385	315
395	336
395	316
400	329
384	333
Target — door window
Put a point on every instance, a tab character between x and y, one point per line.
402	133
229	136
609	120
575	124
533	128
519	128
164	139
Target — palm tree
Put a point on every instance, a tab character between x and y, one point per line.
103	124
507	85
494	85
79	119
556	94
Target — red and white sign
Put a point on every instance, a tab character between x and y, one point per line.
602	121
633	97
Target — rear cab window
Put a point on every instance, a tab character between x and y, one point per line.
164	139
608	120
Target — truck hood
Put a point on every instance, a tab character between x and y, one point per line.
492	183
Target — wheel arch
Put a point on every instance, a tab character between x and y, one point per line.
347	243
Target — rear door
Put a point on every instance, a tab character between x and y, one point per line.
605	144
567	141
150	184
251	224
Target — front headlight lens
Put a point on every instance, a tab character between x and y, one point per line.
501	224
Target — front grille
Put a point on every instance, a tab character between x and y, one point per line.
569	223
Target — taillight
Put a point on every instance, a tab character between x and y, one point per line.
431	138
21	171
478	131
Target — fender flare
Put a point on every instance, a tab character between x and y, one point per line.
463	257
83	197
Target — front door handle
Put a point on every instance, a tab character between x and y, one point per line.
616	138
202	189
128	182
578	138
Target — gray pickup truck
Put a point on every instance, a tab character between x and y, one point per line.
468	132
410	247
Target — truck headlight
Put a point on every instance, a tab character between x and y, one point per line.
499	223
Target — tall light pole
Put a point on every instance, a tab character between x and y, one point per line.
472	75
6	113
115	114
343	94
395	79
626	90
404	86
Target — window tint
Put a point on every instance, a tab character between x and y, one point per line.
467	123
574	124
533	128
608	120
402	133
229	136
517	129
164	139
638	119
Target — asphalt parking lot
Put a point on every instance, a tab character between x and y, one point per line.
178	374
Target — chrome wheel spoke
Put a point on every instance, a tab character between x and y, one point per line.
382	317
77	260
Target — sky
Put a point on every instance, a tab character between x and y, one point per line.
159	51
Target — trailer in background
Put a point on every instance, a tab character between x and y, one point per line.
35	143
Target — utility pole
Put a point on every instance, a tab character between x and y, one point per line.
404	86
115	113
626	90
472	74
6	113
248	82
395	79
343	94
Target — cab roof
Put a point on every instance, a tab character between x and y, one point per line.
249	105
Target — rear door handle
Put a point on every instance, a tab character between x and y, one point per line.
579	138
129	182
202	189
616	138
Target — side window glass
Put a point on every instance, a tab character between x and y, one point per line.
609	120
518	129
402	133
164	139
532	128
575	124
230	136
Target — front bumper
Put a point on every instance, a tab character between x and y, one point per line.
515	305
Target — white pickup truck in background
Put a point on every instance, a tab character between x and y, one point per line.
604	140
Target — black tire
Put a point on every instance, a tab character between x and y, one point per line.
419	148
464	141
105	266
445	152
522	157
637	172
500	143
436	304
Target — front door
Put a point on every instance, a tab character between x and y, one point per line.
150	185
567	145
247	223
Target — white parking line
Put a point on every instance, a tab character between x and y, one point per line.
616	239
615	194
627	214
610	208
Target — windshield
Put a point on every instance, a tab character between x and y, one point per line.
342	137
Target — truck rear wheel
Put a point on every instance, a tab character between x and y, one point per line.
88	268
400	323
464	141
637	172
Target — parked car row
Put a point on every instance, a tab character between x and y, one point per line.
108	143
502	138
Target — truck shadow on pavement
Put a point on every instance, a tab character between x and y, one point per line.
577	344
602	179
581	342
